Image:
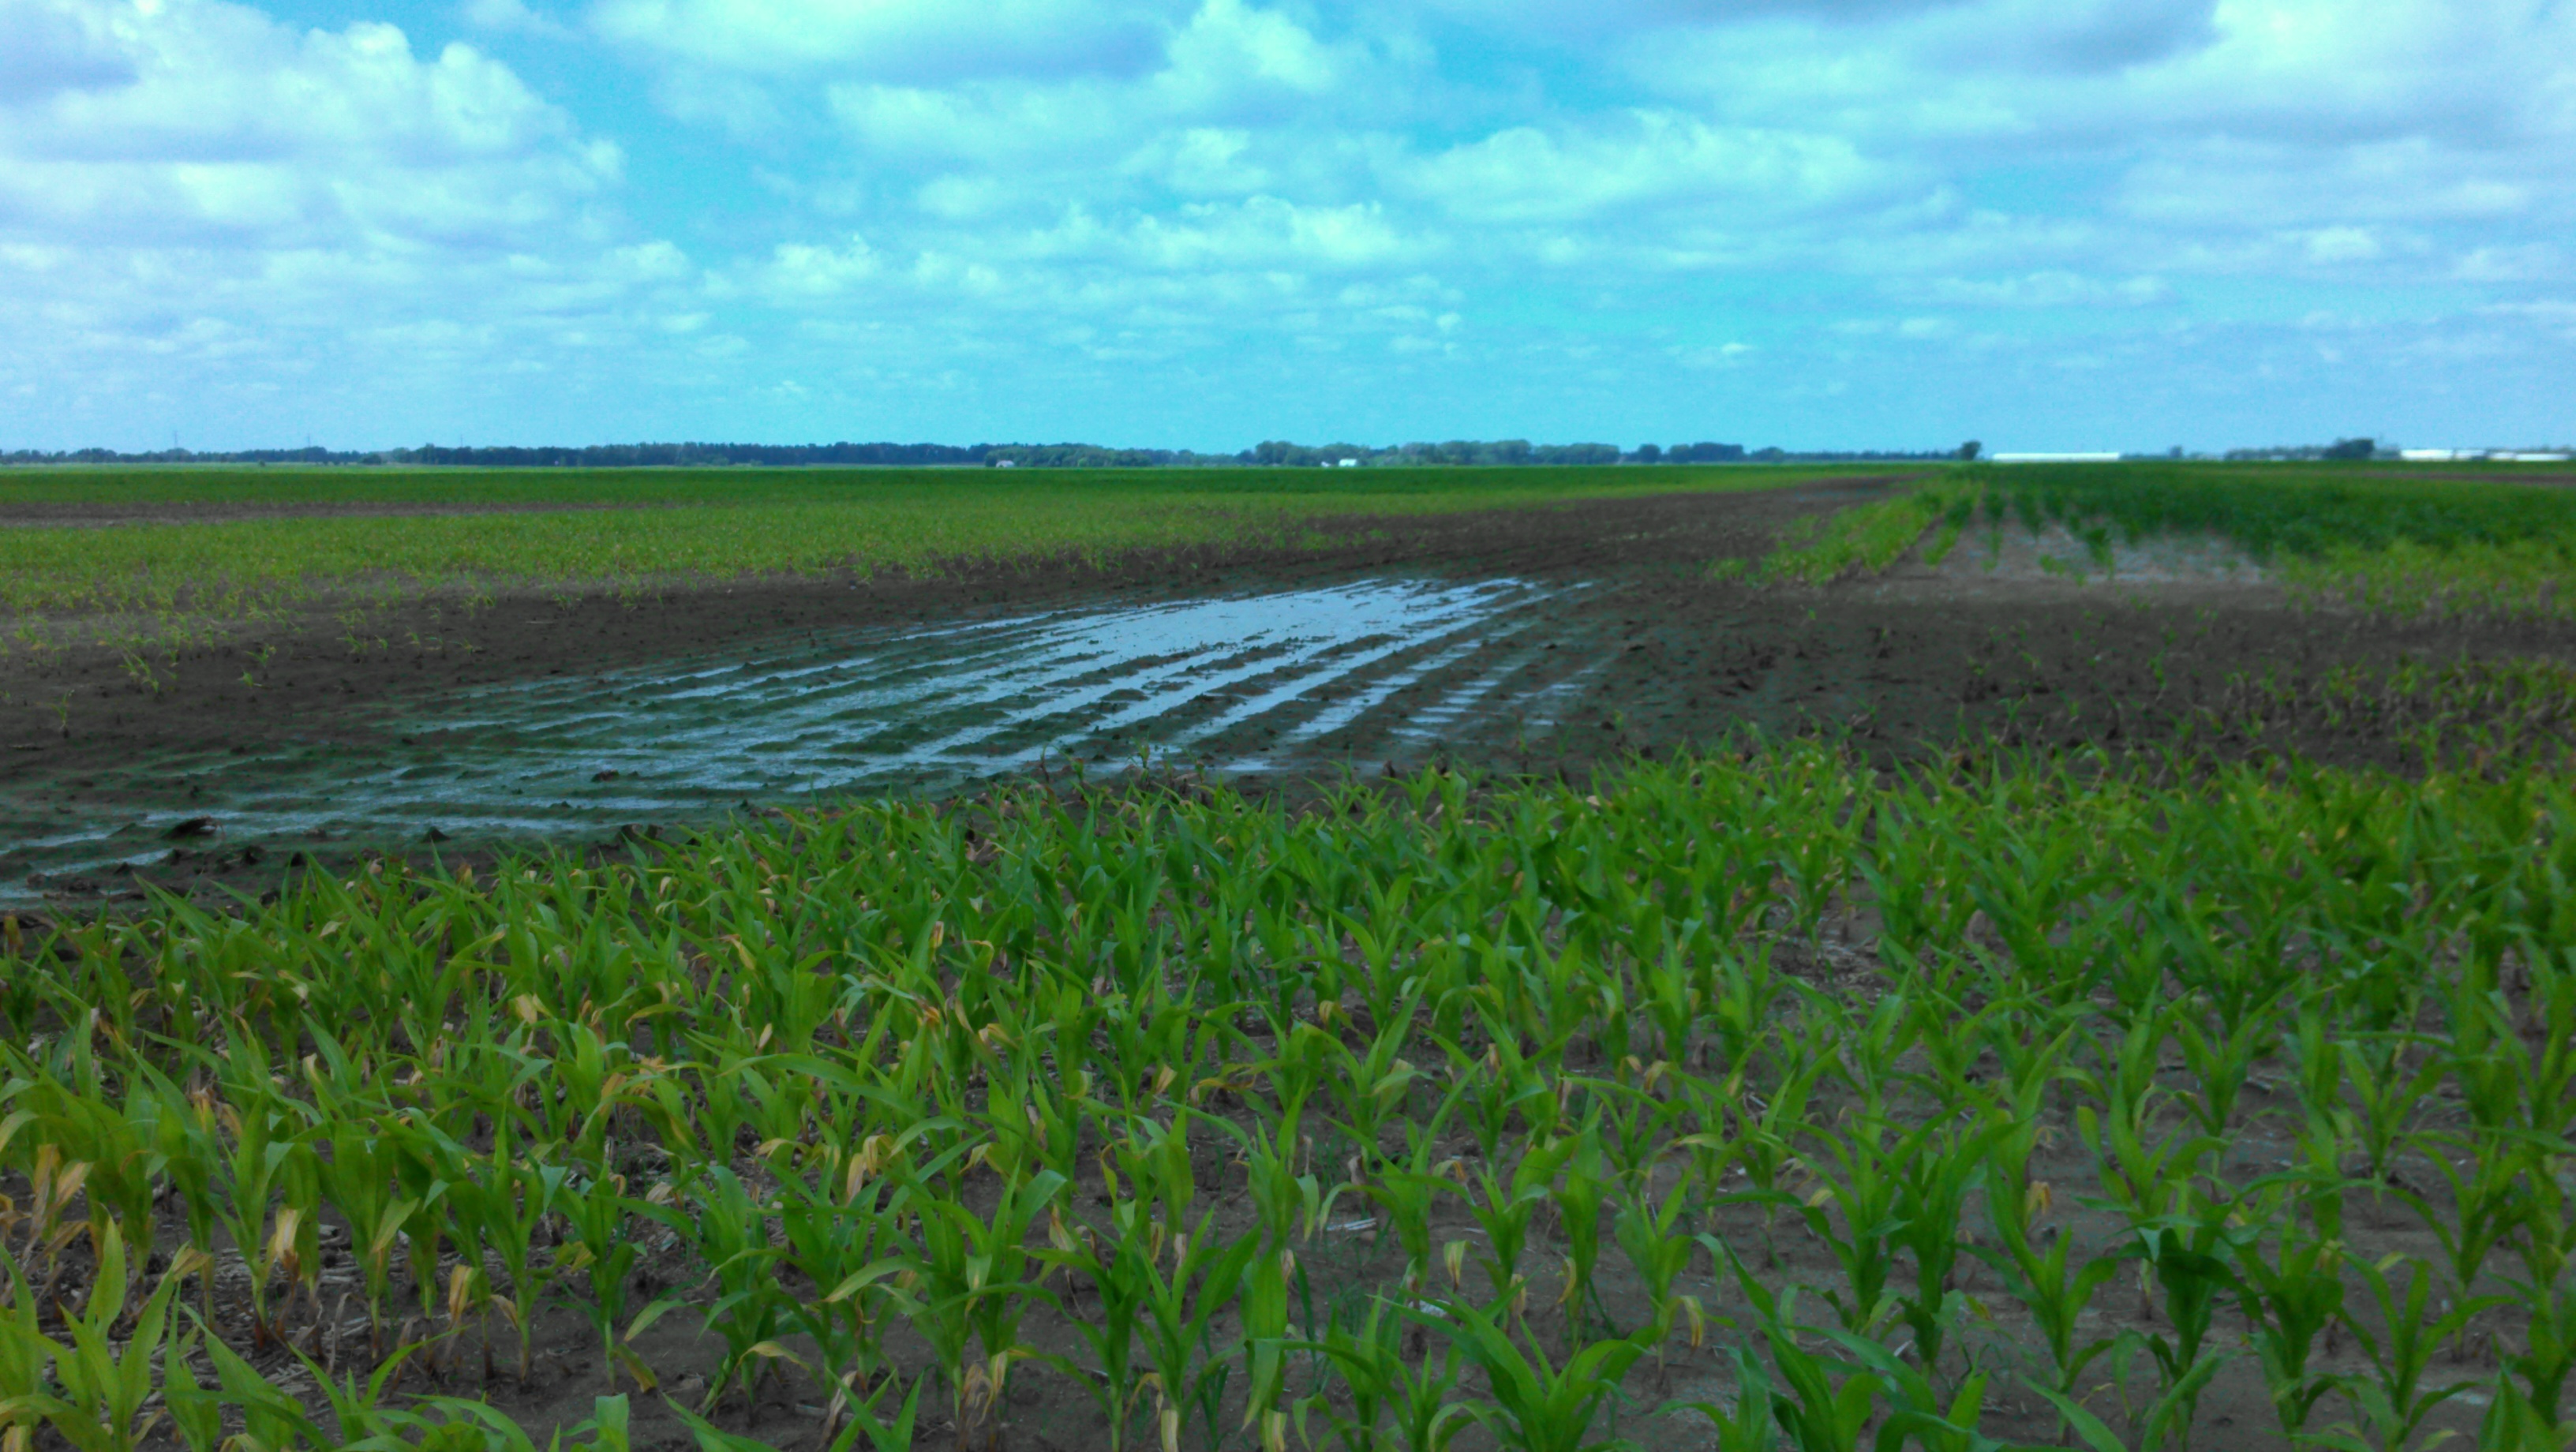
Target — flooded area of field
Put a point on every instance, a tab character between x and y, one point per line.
1241	683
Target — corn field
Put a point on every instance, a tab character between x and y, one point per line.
1754	1101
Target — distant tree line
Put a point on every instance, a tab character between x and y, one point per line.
1522	451
645	456
2339	449
189	456
591	456
1272	453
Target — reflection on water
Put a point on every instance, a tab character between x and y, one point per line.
1247	683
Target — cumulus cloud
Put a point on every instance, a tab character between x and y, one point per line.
206	122
201	201
2048	290
1645	159
798	270
1260	232
49	48
1613	204
915	40
513	17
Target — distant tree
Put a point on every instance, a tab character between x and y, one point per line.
2351	449
1575	454
1649	454
1970	450
1705	453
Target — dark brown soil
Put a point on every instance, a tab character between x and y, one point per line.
1657	655
1683	659
309	676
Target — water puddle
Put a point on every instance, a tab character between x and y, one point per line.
1242	683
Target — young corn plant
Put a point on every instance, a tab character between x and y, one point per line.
359	1181
1854	1210
1942	1166
1505	1208
1816	1410
1577	1195
2391	1403
974	1281
1398	1402
1189	1368
2193	1258
2291	1299
602	1218
2038	1264
96	1391
846	1249
1119	1268
729	1229
522	1195
1653	1237
1535	1405
1748	1426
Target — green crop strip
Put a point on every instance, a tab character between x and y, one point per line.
642	530
2385	540
1867	539
623	526
1882	1099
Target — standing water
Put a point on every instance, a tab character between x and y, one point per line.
1242	683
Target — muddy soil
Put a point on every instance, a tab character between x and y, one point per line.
1657	656
1642	652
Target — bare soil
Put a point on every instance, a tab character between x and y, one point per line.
1655	655
1345	1267
1675	658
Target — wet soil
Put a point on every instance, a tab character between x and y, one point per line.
1653	655
1637	650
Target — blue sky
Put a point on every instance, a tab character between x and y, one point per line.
1200	223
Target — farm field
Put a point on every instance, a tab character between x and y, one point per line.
2002	958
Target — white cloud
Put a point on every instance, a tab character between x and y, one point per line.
1643	160
985	124
2523	262
50	48
206	201
800	271
218	127
1229	48
1269	232
1203	161
1609	189
513	17
2330	245
918	40
2048	290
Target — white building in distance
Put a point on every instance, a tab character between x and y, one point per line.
2496	456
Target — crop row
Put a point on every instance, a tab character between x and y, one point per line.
646	529
2392	542
1958	1109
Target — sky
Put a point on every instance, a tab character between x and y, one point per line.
2043	224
